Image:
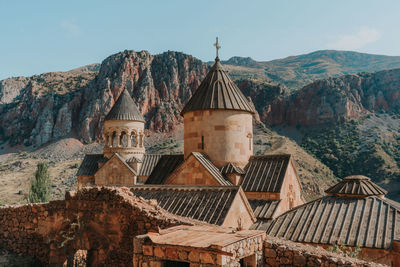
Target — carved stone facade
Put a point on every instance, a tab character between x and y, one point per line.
125	138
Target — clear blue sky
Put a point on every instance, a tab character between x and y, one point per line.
41	36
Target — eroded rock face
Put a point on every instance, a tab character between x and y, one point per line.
50	106
160	85
349	97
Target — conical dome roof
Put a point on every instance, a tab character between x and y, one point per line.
356	185
217	91
124	109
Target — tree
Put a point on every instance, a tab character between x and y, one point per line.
40	187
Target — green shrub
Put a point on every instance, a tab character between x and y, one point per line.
345	251
40	187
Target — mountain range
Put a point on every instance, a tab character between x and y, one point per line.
323	107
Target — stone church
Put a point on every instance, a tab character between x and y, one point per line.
217	170
218	180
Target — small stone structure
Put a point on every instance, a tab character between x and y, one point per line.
200	246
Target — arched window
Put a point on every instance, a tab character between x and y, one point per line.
133	139
123	140
114	139
107	140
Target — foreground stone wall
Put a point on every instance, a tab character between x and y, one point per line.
101	221
279	252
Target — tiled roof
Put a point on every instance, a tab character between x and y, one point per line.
90	164
261	225
205	203
264	211
369	222
124	109
134	159
165	166
356	185
149	161
211	168
201	236
232	168
217	91
265	173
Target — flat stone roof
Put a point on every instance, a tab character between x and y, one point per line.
202	236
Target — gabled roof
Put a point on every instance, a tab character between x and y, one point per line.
211	168
264	211
124	109
134	159
369	222
356	185
217	91
165	166
204	203
118	156
265	173
232	168
90	164
149	162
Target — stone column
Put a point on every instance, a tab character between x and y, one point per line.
128	140
118	136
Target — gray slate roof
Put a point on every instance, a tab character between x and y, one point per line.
369	222
356	185
232	168
205	203
134	159
265	173
165	166
149	162
217	91
90	164
264	211
211	168
124	109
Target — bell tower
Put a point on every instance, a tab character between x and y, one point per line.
124	130
218	119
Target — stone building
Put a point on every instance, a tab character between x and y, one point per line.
354	213
218	181
123	162
218	151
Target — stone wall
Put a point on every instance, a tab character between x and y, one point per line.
101	221
279	252
227	134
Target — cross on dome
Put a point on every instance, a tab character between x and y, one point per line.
217	46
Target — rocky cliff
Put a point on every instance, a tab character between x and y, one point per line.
350	123
50	106
333	99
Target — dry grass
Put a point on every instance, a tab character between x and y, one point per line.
18	170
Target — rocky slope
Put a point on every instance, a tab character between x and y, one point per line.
297	71
50	106
351	123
